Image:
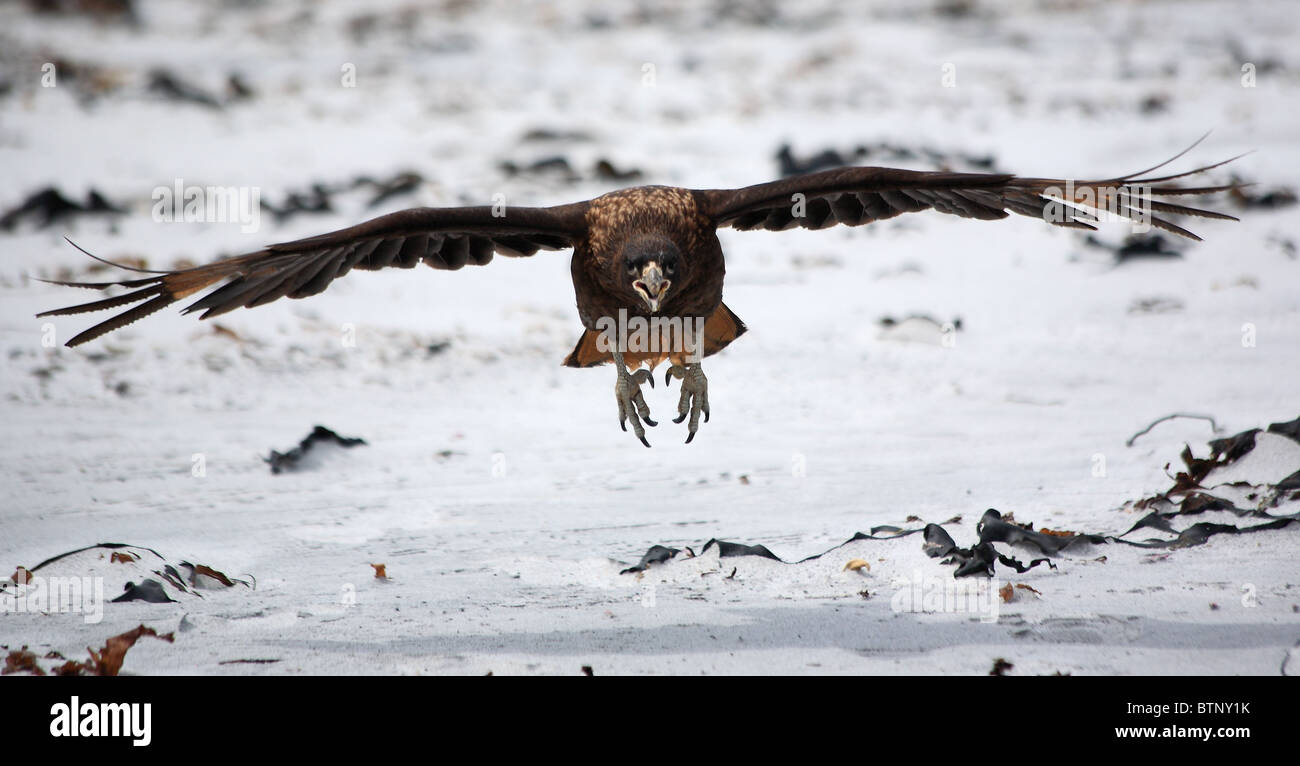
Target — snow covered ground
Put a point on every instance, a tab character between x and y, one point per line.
495	486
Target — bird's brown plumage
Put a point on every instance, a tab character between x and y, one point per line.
601	230
614	220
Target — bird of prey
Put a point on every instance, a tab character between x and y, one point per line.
646	257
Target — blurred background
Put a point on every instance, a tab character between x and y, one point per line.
335	112
825	420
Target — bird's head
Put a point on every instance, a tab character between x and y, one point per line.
650	266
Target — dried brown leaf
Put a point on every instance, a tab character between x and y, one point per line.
220	329
1057	532
200	569
21	661
108	661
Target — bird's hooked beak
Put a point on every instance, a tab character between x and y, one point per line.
652	286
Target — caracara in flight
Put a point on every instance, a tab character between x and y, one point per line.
647	265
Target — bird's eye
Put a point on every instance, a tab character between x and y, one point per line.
670	270
631	270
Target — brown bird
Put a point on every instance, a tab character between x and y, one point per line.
647	266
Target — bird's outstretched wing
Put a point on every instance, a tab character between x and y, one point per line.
444	238
861	195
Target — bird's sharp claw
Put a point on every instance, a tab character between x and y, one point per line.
694	398
631	404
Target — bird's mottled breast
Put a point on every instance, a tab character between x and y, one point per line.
615	217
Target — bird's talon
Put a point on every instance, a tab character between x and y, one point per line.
694	399
631	403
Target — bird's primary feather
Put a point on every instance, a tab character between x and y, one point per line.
598	230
